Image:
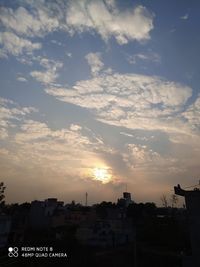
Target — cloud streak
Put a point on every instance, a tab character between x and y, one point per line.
144	57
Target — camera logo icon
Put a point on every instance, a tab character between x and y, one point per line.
13	252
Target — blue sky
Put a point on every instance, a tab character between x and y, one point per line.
96	95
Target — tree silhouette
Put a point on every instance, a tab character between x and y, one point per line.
164	200
174	200
2	189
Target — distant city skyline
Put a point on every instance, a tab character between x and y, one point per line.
97	95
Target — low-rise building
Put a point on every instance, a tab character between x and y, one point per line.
44	213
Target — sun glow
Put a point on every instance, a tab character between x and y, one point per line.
102	174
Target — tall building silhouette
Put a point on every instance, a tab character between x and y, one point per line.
192	201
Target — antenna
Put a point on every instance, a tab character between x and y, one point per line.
86	199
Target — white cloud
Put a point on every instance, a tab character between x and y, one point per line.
126	134
130	100
56	42
192	114
21	79
185	17
103	17
32	130
94	60
12	44
140	157
109	21
69	137
4	101
10	111
44	77
68	54
21	24
50	74
151	56
75	127
3	133
37	24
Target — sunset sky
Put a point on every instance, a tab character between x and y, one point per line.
97	95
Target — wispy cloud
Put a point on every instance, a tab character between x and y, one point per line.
77	17
10	112
50	74
109	21
150	56
144	158
192	115
94	60
21	79
12	44
185	17
38	23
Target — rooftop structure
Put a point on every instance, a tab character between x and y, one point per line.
192	201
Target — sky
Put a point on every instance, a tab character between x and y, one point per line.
97	96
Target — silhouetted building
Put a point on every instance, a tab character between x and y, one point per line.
192	201
126	200
46	213
105	233
76	217
5	227
20	223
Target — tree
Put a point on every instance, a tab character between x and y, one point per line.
174	200
164	201
2	189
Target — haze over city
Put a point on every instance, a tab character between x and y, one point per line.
97	95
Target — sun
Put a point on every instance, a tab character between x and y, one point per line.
101	174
